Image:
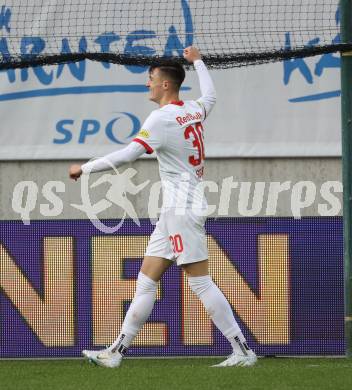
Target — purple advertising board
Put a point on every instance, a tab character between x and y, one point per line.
65	286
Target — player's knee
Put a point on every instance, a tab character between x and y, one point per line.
200	268
200	284
145	285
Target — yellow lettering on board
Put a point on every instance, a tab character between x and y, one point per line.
51	317
111	290
267	315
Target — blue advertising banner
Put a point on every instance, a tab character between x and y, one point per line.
65	286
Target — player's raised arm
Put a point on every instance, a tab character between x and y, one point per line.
208	98
129	154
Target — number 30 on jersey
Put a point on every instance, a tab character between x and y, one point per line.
196	134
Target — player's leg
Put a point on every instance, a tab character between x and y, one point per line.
142	305
157	260
193	259
220	312
155	267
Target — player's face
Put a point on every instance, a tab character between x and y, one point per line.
156	86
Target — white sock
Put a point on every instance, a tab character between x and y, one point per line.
219	310
137	314
239	344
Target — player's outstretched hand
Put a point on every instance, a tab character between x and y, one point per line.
75	171
191	54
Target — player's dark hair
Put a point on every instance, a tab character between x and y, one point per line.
173	70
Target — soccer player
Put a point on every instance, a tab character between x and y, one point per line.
175	132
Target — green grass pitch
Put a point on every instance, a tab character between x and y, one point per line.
170	374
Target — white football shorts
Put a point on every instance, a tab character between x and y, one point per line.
180	238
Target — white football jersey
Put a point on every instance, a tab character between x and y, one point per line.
175	133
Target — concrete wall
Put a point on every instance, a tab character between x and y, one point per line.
223	172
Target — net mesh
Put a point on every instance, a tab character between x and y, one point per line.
229	33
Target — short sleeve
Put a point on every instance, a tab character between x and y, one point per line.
152	133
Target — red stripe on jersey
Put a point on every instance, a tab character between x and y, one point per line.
148	149
177	102
199	130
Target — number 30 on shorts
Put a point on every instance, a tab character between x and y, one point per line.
177	244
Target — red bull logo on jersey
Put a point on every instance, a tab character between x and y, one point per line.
182	120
